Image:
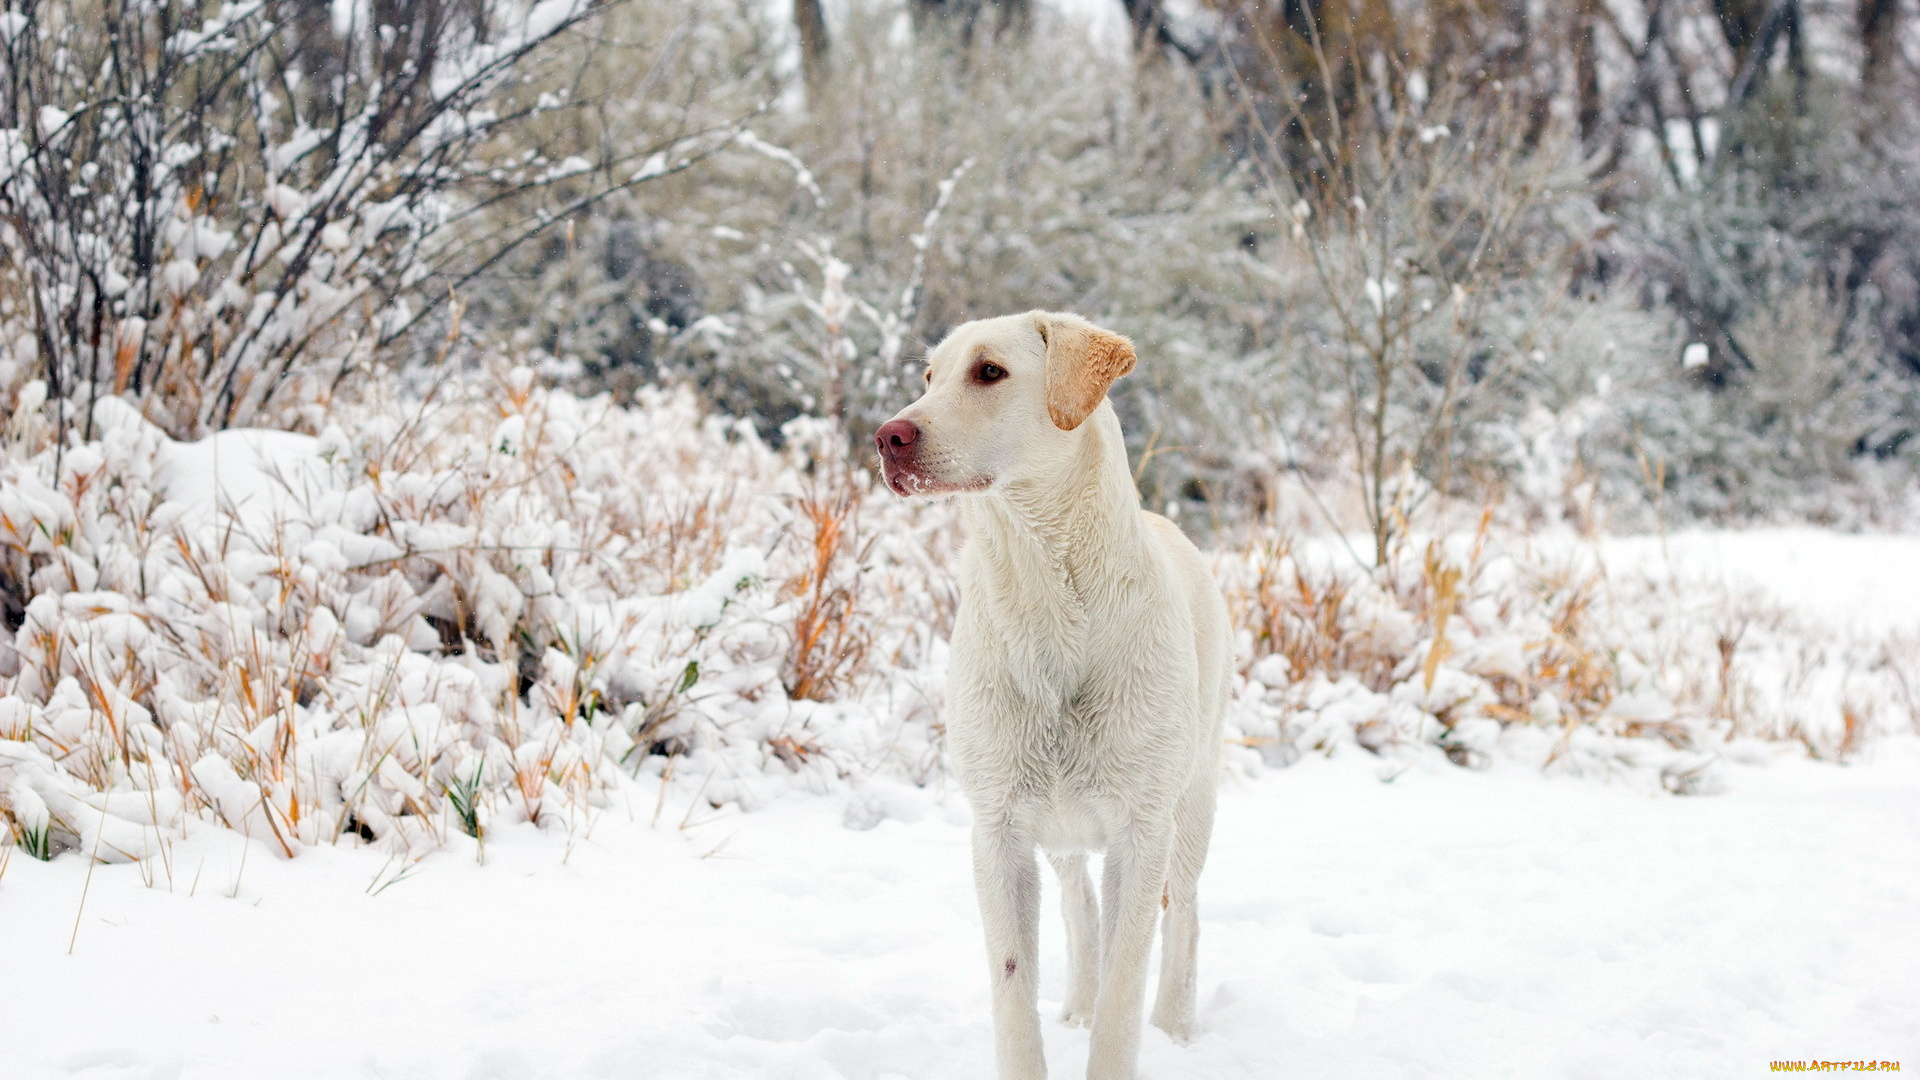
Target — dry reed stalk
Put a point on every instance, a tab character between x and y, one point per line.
1898	656
830	637
1443	586
1580	668
1853	731
793	752
1727	643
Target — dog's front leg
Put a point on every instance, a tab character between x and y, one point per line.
1007	876
1135	875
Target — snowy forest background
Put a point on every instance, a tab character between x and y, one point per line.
428	413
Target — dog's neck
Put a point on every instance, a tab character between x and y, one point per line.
1071	523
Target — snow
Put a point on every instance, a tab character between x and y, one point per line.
1867	582
1449	924
259	477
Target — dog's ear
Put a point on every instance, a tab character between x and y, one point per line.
1082	361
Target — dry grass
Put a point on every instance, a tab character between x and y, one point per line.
1460	640
831	639
485	604
1305	616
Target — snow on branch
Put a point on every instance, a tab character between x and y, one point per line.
232	215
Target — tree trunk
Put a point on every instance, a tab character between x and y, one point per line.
1586	74
810	18
1797	56
1880	40
962	17
1016	17
1740	23
1151	32
1752	29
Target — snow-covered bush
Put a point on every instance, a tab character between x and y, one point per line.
1500	641
494	603
479	606
225	215
1786	248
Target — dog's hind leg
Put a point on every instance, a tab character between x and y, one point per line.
1132	882
1007	876
1082	910
1173	1006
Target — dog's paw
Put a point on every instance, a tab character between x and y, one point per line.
1179	1029
1077	1014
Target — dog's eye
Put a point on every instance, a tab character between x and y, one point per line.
990	373
929	376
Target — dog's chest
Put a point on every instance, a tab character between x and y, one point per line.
1072	680
1057	690
1041	637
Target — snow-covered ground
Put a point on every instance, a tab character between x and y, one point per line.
1853	581
1449	924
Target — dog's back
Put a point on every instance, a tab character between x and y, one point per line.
1212	632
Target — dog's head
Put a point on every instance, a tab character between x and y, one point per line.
1005	397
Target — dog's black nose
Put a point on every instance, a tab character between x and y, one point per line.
896	437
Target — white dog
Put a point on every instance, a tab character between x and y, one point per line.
1089	677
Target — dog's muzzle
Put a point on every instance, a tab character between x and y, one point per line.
899	444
